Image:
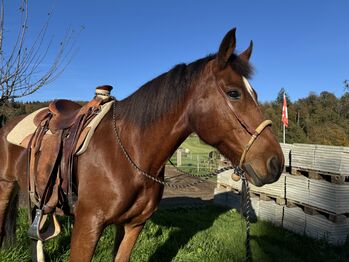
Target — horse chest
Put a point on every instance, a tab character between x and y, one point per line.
139	205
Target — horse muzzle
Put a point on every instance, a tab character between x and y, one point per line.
273	172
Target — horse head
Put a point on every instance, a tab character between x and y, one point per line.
226	114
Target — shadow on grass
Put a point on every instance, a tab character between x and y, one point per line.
185	223
282	245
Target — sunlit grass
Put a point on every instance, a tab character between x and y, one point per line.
195	157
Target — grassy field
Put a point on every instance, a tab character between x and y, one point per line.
197	159
194	144
206	233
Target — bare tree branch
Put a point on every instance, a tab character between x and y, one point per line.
21	70
1	24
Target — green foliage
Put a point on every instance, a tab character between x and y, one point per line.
206	233
316	119
12	110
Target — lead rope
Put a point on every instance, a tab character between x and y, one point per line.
245	209
245	189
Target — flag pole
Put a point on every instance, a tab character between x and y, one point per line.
284	117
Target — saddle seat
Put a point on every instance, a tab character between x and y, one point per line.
65	113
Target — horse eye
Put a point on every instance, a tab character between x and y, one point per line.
234	94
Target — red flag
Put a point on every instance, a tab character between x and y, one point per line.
284	117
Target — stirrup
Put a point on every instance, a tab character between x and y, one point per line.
52	230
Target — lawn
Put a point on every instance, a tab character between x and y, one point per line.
196	158
194	144
204	233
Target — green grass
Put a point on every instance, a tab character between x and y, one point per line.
197	161
206	233
194	144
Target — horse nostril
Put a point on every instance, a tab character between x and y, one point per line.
274	166
251	172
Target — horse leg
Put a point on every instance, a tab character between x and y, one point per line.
86	232
119	236
8	211
130	235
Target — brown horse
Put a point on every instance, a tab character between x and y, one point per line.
210	97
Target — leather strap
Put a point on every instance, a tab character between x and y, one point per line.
258	131
33	149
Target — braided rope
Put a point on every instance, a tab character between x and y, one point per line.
246	212
245	208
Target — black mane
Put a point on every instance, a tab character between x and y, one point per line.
165	92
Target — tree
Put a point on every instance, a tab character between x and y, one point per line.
319	119
19	65
280	97
346	86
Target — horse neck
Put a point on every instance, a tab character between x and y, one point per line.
151	147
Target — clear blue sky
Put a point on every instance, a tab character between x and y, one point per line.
302	46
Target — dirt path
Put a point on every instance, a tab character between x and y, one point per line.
198	194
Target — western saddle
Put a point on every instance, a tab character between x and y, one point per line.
52	187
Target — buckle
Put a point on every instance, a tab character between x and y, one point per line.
95	110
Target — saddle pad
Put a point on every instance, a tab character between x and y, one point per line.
91	127
23	129
26	127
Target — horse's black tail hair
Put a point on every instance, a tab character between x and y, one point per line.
9	236
2	120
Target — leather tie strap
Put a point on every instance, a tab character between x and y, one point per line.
258	131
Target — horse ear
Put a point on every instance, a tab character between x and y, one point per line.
245	55
226	49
